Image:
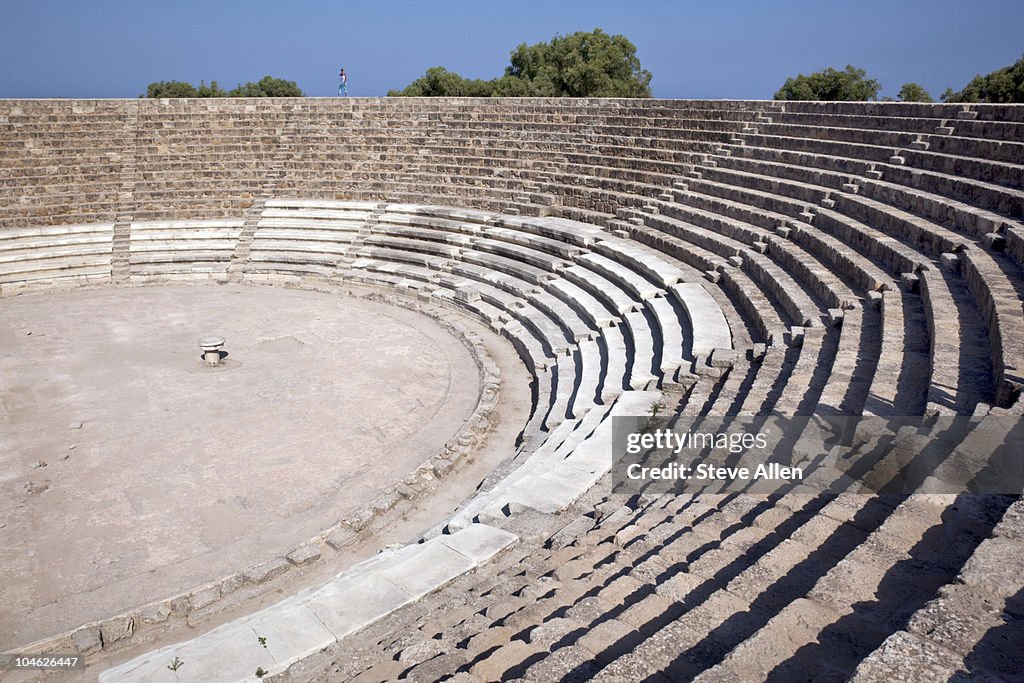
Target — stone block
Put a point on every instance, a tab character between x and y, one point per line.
341	536
154	614
304	554
267	571
994	241
117	629
905	657
232	584
204	597
87	640
722	358
995	566
496	663
950	262
796	336
478	542
360	519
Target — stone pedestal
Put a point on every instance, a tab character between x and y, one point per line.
211	346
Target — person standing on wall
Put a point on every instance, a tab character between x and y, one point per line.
343	85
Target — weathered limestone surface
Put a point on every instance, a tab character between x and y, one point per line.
314	619
855	258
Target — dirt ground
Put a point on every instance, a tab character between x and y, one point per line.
129	471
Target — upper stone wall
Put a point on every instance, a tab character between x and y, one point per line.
83	161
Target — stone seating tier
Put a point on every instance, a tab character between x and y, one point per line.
618	245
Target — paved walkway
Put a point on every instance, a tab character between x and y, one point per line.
275	637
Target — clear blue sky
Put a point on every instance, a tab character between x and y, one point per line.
704	49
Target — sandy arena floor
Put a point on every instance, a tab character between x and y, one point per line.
181	474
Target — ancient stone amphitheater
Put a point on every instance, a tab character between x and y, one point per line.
710	257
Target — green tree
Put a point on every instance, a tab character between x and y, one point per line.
212	90
584	64
171	89
440	82
1004	85
851	84
267	86
912	92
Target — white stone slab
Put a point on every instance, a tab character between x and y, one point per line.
628	279
566	374
479	542
529	348
583	302
349	224
640	260
710	327
602	288
547	244
643	349
433	566
545	495
345	606
292	632
671	331
521	253
584	429
575	327
613	345
590	378
546	329
228	653
573	232
519	269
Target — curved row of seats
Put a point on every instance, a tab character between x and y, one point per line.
653	567
855	259
591	315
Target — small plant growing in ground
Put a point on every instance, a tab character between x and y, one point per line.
263	640
175	665
260	673
655	409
